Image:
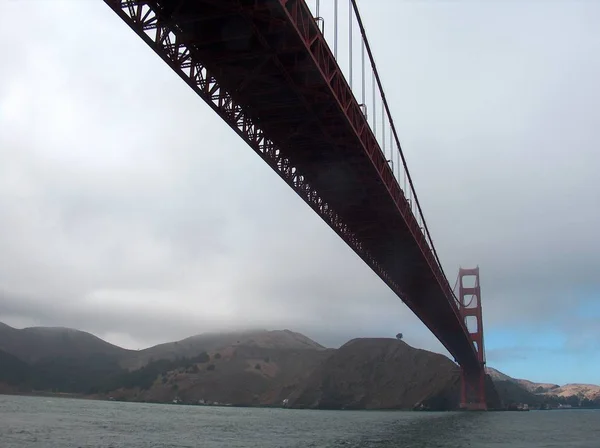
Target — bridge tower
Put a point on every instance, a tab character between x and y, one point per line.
472	394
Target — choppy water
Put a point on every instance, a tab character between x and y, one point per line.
52	422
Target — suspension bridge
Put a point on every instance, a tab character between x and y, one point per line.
298	83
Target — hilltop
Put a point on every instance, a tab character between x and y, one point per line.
189	347
35	344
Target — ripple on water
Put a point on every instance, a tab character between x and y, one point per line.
38	422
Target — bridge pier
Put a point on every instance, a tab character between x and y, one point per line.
472	389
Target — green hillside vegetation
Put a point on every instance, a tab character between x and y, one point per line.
91	374
515	394
145	377
14	371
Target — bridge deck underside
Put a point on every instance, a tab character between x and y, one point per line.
257	53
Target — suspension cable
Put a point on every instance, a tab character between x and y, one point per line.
393	128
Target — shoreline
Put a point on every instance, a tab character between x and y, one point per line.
77	396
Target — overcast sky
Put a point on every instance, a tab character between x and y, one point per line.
128	209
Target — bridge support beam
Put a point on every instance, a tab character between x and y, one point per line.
472	395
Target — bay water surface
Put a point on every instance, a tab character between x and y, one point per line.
57	422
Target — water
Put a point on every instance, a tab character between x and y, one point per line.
54	422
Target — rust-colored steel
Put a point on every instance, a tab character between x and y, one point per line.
472	380
266	69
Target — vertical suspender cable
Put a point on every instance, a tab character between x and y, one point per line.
383	137
335	27
393	127
398	161
362	57
350	33
392	154
374	108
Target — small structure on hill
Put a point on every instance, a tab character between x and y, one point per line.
399	336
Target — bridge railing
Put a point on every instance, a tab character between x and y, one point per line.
342	27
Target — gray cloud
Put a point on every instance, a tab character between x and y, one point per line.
128	209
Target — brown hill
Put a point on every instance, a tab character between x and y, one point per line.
249	368
496	375
190	347
243	374
589	391
536	388
38	343
382	374
541	390
529	386
74	361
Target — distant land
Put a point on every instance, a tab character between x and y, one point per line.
257	368
574	395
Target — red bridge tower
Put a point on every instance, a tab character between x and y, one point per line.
472	394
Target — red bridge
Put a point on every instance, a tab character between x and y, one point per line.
267	69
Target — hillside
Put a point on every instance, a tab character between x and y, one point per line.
189	347
41	343
257	367
13	371
530	386
243	375
544	392
536	388
496	375
514	394
382	374
589	391
251	367
363	374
